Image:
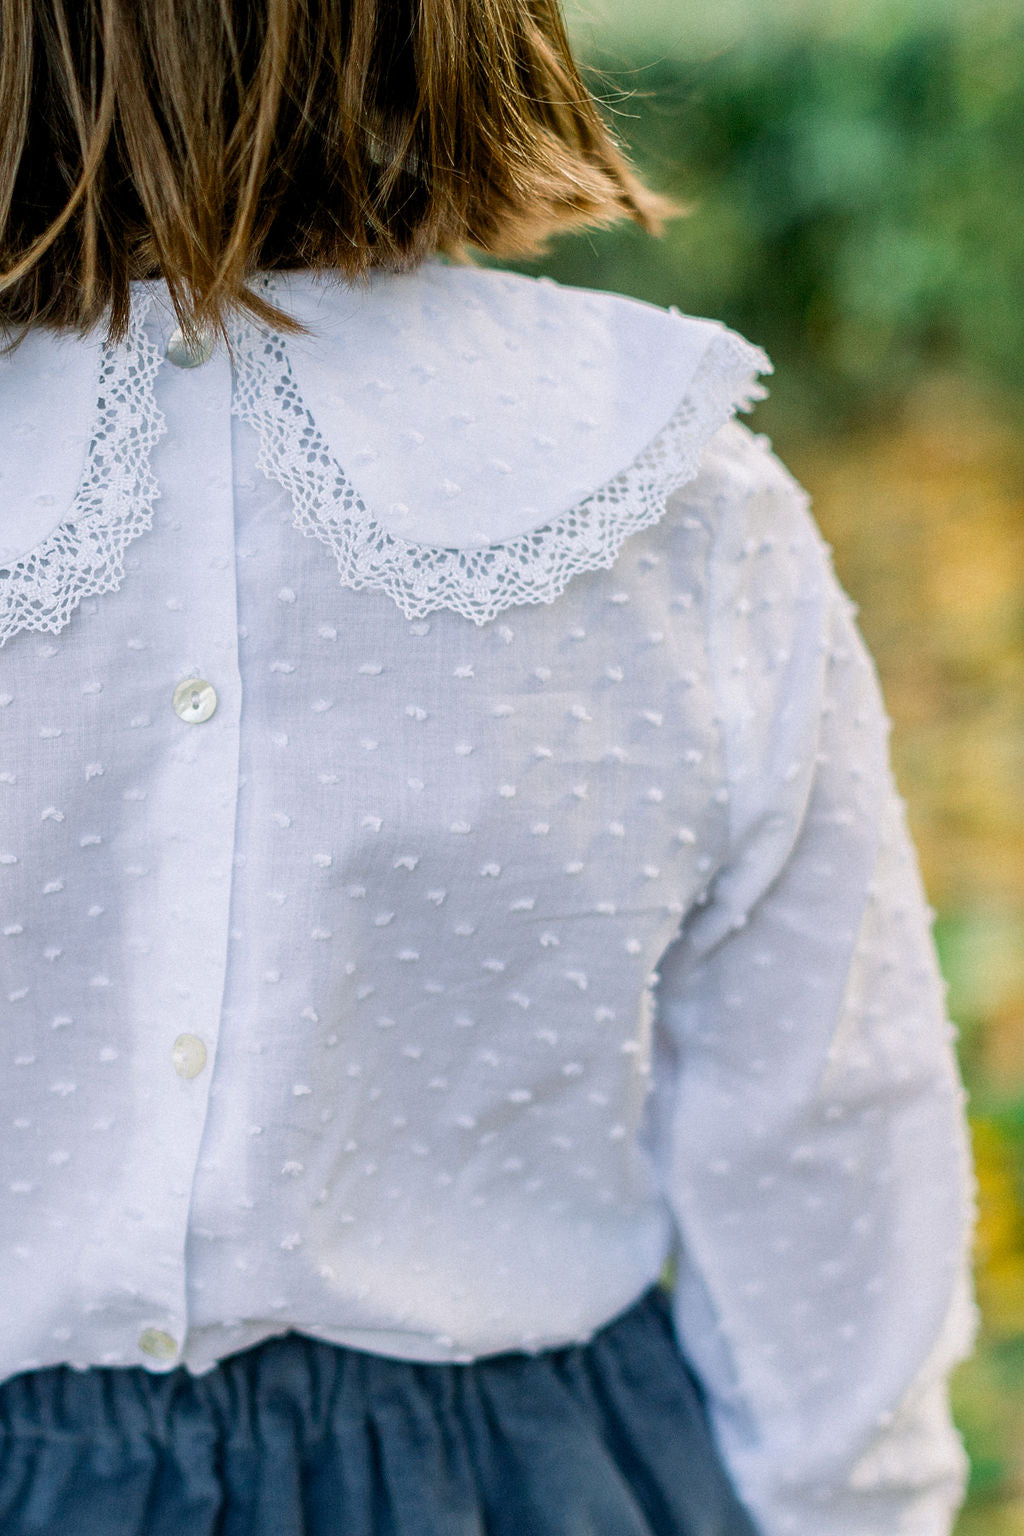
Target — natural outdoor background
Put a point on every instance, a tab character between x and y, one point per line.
856	174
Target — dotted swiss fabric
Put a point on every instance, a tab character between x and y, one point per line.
473	959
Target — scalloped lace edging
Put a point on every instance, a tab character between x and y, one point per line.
480	582
83	556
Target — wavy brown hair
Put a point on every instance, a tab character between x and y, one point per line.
201	141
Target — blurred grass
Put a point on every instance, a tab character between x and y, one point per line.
855	171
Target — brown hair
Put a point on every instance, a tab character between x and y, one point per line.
204	140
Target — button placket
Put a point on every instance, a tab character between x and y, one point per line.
190	795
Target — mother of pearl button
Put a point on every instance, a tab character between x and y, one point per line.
195	700
182	355
189	1055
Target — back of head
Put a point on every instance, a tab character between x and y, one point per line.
201	141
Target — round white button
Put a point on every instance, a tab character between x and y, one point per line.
188	1055
195	700
153	1341
184	356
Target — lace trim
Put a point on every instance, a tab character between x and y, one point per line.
113	505
533	567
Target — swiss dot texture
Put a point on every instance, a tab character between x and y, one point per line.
478	952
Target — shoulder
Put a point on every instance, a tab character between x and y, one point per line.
739	468
770	591
758	514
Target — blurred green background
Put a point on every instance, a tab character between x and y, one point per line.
855	171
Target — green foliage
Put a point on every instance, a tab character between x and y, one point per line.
856	205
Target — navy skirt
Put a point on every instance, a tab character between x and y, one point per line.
296	1437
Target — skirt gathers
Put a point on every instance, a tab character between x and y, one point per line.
297	1437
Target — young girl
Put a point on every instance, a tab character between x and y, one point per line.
450	872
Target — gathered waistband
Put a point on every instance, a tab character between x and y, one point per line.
297	1437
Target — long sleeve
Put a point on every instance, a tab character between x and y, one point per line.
810	1123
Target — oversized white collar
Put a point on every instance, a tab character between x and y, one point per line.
468	406
459	437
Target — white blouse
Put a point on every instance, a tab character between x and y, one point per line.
450	866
